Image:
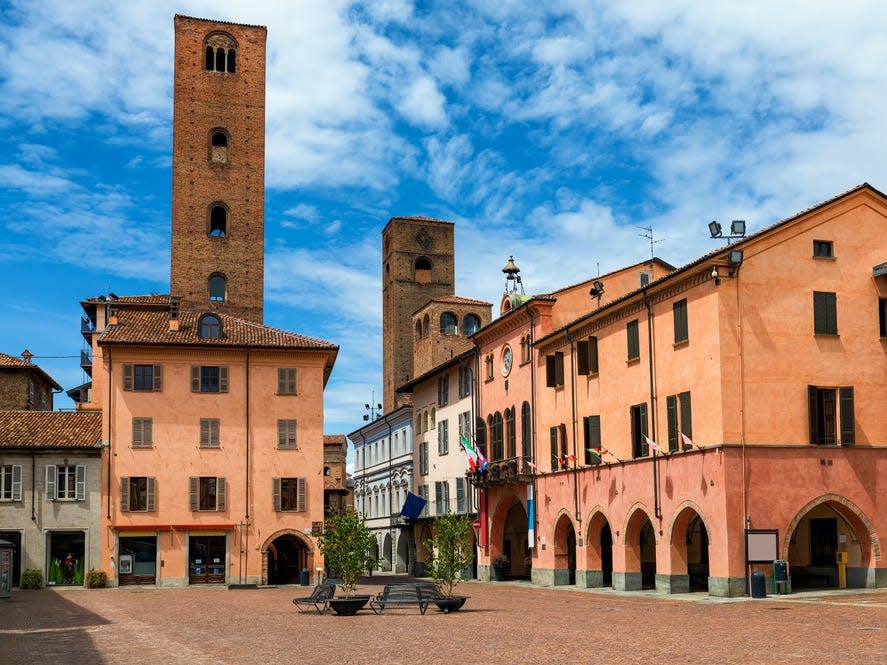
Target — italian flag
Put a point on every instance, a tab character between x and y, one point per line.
471	451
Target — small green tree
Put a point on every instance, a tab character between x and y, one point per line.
345	544
450	549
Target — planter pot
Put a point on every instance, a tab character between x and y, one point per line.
450	603
348	606
499	574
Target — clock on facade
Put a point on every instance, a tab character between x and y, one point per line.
506	361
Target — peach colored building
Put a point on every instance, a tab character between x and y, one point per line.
758	369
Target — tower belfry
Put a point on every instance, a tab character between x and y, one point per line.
513	281
218	192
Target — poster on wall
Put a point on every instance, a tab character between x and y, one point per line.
126	564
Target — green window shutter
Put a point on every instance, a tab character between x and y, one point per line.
559	368
552	435
848	422
124	494
460	495
16	482
193	492
592	355
679	312
195	378
686	414
813	414
671	410
582	357
825	316
221	494
158	378
301	495
51	480
595	431
127	376
549	372
633	340
223	379
80	478
151	502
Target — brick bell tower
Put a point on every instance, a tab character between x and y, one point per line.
218	167
418	265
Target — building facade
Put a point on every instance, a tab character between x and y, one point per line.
24	386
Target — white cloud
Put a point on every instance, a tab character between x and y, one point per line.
423	104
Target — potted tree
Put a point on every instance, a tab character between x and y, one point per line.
345	544
450	552
501	565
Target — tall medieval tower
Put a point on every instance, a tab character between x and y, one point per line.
218	167
418	264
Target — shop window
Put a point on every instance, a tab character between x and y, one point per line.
289	494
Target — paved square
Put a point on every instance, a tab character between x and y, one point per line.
501	623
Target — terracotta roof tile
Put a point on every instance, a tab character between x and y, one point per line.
151	326
149	299
461	300
50	429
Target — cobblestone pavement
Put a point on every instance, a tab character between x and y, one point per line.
500	623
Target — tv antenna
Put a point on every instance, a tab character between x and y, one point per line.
649	236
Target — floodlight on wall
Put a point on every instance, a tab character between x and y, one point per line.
715	229
737	227
737	230
597	291
735	257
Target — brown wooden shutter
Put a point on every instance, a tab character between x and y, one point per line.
195	378
281	434
582	357
848	422
127	376
148	432
124	494
223	379
204	432
158	378
301	495
552	435
281	380
642	409
275	494
137	432
152	493
193	492
221	494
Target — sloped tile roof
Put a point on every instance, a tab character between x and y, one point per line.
149	299
50	429
139	325
13	362
461	300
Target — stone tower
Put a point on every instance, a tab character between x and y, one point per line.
418	265
218	167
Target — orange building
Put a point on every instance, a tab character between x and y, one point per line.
758	370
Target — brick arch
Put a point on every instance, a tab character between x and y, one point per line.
680	512
856	518
596	522
286	532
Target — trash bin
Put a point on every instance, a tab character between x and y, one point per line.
303	577
758	585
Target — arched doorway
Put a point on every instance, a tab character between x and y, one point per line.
606	556
823	528
640	552
599	552
689	551
564	552
403	553
648	556
286	556
386	553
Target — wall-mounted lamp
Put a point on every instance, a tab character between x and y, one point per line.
735	257
737	227
714	229
597	290
737	230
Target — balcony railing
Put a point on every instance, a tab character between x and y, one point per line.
503	472
86	360
87	327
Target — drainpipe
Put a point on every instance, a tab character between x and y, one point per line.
245	545
33	487
529	314
390	491
110	425
573	426
746	520
657	507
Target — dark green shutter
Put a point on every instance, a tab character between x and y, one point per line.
554	452
671	410
549	372
558	368
686	414
813	414
592	355
848	423
582	357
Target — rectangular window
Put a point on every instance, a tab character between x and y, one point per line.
66	483
586	354
823	249
286	381
882	315
554	369
443	437
831	416
679	311
634	343
591	426
209	432
423	493
423	459
289	494
137	494
558	440
142	432
678	412
142	377
209	379
443	391
207	493
464	381
488	367
825	313
286	434
441	497
638	415
11	482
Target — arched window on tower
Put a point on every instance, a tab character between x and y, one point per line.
217	287
449	324
470	325
418	330
218	147
220	52
422	270
210	327
426	326
218	221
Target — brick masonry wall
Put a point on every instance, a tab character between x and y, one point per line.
204	101
14	391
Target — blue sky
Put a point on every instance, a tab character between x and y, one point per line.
546	130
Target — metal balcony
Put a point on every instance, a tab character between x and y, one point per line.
503	472
86	361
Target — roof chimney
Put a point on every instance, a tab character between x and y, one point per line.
174	313
26	356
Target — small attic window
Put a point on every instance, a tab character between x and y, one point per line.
470	324
422	270
210	327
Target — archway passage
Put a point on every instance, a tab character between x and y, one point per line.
515	541
564	552
606	556
386	553
647	543
287	556
599	552
403	553
824	532
697	554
